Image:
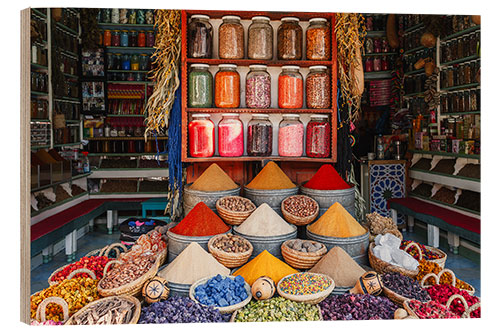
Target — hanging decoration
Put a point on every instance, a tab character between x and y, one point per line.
350	31
165	71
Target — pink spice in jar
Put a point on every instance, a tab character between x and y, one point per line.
290	137
230	131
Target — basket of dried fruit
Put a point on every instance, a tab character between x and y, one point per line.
92	266
234	210
41	316
302	254
428	253
127	278
230	250
109	310
299	209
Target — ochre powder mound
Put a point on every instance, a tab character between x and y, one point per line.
271	177
337	222
265	264
213	179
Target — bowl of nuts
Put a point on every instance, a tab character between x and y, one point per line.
230	250
234	209
299	209
302	254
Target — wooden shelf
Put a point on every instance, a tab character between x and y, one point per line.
464	183
128	26
129	48
39	93
454	114
248	110
125	71
381	54
37	66
132	82
418	71
417	94
129	173
416	49
269	63
378	75
413	28
67	29
83	175
257	159
376	33
136	138
460	33
122	154
40	120
38	13
463	86
67	144
457	61
125	115
67	99
442	153
455	208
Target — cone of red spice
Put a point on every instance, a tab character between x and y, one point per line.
327	178
200	221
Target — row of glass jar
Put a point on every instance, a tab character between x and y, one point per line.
459	48
226	93
462	127
39	108
412	39
126	16
378	63
408	21
260	38
39	82
128	38
65	41
135	62
461	101
457	75
377	45
456	23
71	111
125	146
410	59
414	83
375	22
38	54
259	136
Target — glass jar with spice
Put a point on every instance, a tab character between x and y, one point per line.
473	100
289	39
473	43
377	45
443	103
260	136
377	64
115	38
290	88
455	102
124	38
453	49
117	61
125	62
231	38
318	39
141	39
258	87
467	73
107	38
150	38
450	76
230	130
291	136
201	136
368	45
460	102
115	15
369	64
143	62
260	38
133	38
200	37
200	86
466	101
384	64
134	62
318	89
227	87
318	136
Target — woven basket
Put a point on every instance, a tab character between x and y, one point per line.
442	255
382	267
224	309
453	277
232	217
41	309
301	260
70	275
235	313
394	297
299	221
310	299
468	310
105	251
135	316
97	252
228	259
133	288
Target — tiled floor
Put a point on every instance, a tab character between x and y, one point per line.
464	268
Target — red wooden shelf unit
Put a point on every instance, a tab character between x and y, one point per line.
247	15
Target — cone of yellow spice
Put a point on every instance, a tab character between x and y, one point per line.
271	177
337	222
213	179
265	264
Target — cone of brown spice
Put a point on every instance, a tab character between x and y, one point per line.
338	265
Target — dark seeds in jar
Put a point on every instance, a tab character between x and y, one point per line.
260	140
318	90
290	40
231	39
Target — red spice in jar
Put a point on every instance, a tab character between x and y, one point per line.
201	136
290	90
318	136
327	178
200	221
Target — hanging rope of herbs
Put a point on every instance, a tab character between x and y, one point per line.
90	28
165	63
350	31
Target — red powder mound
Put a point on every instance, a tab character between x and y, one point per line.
200	221
327	178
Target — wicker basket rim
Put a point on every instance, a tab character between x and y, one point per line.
390	293
224	309
222	253
319	252
306	298
232	212
384	265
135	317
299	218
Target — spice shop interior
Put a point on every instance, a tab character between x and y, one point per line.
328	152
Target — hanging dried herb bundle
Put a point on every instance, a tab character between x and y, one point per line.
431	94
350	31
90	29
166	66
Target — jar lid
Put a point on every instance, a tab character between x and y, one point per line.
200	16
261	18
200	115
227	65
323	116
317	19
260	115
317	67
290	67
231	17
257	67
200	65
230	114
291	115
290	18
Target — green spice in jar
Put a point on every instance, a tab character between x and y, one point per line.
200	86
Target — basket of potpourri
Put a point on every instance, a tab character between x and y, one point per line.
306	287
419	252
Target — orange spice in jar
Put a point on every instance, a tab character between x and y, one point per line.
318	39
227	87
107	38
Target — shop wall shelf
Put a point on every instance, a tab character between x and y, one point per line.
129	173
269	63
463	86
125	115
376	33
129	48
442	153
470	58
444	115
455	208
257	159
460	33
417	94
132	82
413	28
38	13
67	99
114	26
39	147
41	120
58	207
71	75
125	71
378	75
72	121
416	49
137	138
379	54
37	66
248	110
122	154
67	144
83	175
449	180
39	93
69	54
418	71
67	29
131	195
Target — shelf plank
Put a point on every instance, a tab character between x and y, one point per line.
67	29
67	144
37	66
71	75
470	58
455	208
257	158
42	120
417	94
382	54
452	114
417	71
132	82
39	93
101	195
460	33
125	115
130	48
67	99
449	180
416	49
413	28
463	86
125	71
135	138
378	75
128	26
269	63
248	110
38	13
442	153
122	154
39	147
129	173
83	175
376	33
